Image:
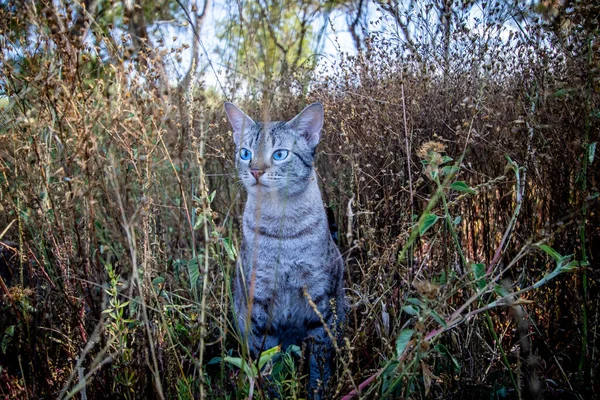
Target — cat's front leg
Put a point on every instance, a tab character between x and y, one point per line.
240	304
261	335
321	362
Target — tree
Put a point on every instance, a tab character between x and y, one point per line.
266	41
98	31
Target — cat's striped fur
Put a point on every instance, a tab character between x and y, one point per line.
287	248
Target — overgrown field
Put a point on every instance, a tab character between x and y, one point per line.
463	180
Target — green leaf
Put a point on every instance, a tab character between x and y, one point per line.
402	341
134	306
182	330
461	186
8	335
565	260
266	355
293	349
211	196
249	369
591	152
414	301
446	159
501	291
427	222
200	218
231	253
443	279
388	375
234	361
194	270
450	169
277	372
573	265
158	280
479	273
410	310
440	348
438	319
551	252
561	92
511	164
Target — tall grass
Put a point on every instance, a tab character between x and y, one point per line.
460	184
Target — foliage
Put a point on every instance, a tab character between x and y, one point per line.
266	43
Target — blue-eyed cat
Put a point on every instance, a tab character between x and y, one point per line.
287	254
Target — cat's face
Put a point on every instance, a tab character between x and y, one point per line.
276	157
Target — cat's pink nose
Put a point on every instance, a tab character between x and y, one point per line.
256	173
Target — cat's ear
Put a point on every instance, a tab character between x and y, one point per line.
238	120
309	123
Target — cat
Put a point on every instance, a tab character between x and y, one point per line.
287	253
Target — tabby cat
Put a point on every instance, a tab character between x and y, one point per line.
287	255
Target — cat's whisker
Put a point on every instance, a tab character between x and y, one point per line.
238	184
225	175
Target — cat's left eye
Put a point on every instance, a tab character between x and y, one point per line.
280	155
245	154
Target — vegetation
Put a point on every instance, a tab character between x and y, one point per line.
458	158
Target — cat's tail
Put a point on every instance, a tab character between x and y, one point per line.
333	228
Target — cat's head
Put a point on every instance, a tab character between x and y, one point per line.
276	157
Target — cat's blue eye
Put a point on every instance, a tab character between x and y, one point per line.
280	155
245	154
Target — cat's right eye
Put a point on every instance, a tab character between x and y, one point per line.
245	154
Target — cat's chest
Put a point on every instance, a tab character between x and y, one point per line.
288	251
288	274
287	282
293	288
302	275
285	243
